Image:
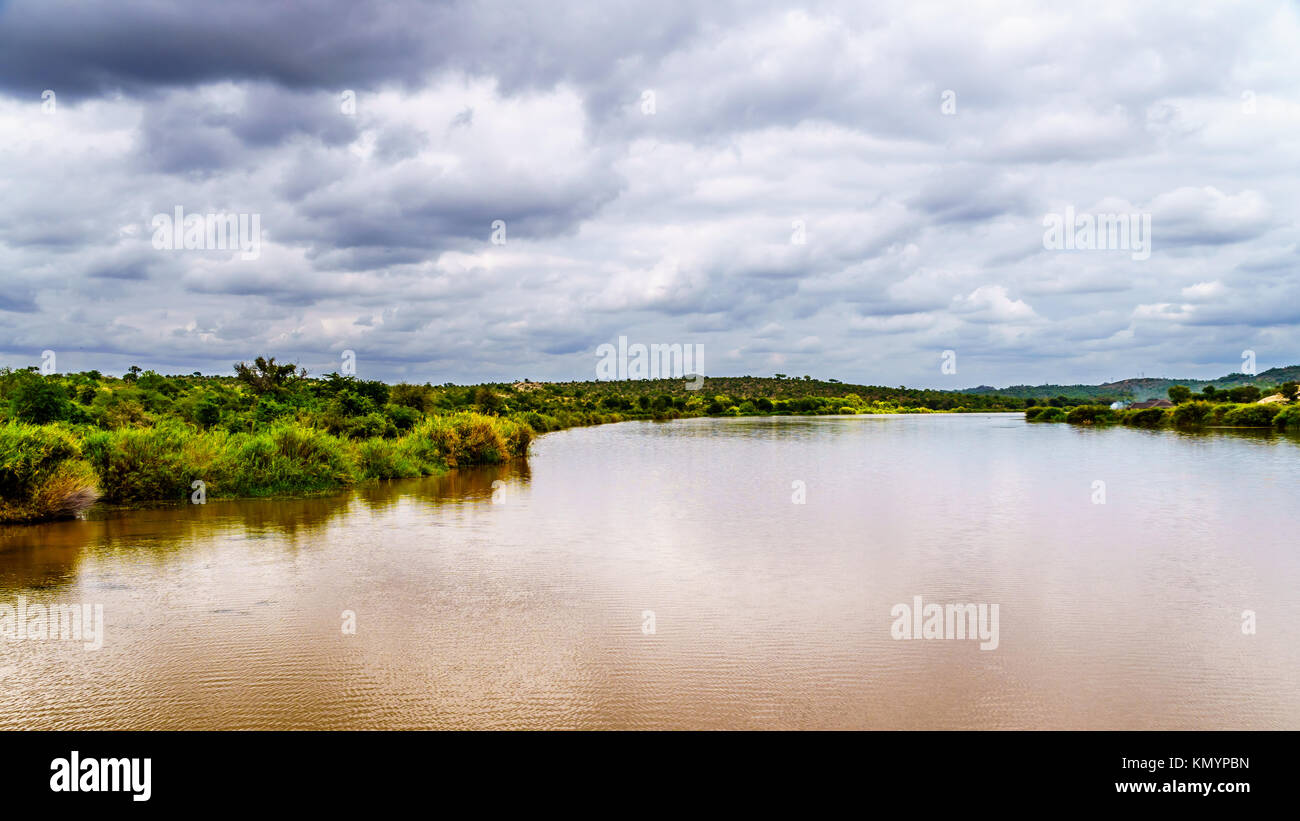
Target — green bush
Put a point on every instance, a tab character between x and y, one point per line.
39	400
386	459
403	417
283	459
1288	418
1251	416
42	474
138	464
1146	417
370	426
1191	414
1045	414
542	423
1090	415
469	438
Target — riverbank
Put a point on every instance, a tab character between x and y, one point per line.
1188	415
68	440
54	471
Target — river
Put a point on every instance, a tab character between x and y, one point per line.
702	573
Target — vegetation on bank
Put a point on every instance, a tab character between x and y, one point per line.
1142	387
69	439
1239	407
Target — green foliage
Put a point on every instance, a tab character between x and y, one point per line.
387	459
268	429
1191	414
1288	418
38	400
1251	416
207	411
416	397
1243	394
1091	415
42	475
403	417
284	459
265	376
1179	394
1147	417
140	464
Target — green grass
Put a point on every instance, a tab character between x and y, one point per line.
42	474
49	472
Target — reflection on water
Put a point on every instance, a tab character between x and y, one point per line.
503	598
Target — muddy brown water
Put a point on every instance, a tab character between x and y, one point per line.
662	575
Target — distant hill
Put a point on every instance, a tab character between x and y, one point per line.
1142	388
740	388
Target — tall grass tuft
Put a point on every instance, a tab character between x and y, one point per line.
139	464
470	439
387	459
42	474
285	458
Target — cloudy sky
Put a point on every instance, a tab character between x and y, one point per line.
840	189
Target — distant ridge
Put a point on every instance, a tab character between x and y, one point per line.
1141	388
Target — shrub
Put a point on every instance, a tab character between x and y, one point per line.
1251	416
370	426
541	423
137	464
39	400
282	459
517	436
207	412
479	441
42	475
1191	414
117	409
1145	418
1090	415
1244	394
404	418
1288	418
268	410
470	439
385	459
415	397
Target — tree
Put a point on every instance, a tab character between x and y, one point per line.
39	400
1244	394
1289	390
417	397
207	411
1179	394
487	399
264	376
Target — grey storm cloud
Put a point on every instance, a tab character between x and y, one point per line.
470	191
